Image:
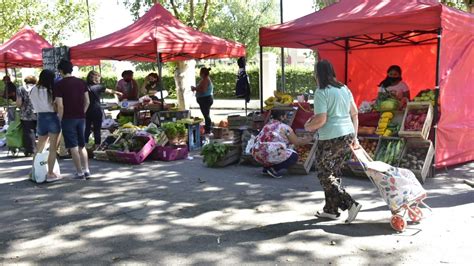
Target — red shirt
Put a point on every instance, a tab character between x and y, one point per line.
72	90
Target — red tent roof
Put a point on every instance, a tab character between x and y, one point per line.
380	33
23	49
351	18
157	31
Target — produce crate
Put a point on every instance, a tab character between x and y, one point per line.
133	157
100	153
424	151
237	121
231	157
425	129
369	144
381	150
304	167
170	153
169	116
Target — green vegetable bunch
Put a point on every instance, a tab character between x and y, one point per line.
174	129
213	152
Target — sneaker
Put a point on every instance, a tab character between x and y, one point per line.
79	176
87	175
273	173
323	214
353	211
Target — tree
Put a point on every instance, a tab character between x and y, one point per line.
240	20
55	20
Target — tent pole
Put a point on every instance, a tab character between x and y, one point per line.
159	62
346	62
6	94
436	111
283	89
261	79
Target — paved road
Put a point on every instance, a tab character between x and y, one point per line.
183	213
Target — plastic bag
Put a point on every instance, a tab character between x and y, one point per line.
250	144
14	134
40	167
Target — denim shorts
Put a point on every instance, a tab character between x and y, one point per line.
73	132
48	123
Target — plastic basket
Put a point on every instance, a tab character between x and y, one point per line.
133	157
170	153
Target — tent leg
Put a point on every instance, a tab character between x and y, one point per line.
436	111
159	62
346	61
6	94
282	88
261	79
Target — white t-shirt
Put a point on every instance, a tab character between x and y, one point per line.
401	87
40	100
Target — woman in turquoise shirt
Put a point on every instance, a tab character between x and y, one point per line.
336	121
204	91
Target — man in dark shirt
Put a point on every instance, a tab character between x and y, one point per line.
72	100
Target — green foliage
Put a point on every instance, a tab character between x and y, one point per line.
298	81
213	152
240	21
174	129
55	20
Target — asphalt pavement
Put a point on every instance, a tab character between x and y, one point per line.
182	213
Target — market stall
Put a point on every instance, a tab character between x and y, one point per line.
159	37
430	41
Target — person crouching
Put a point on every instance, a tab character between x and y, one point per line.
271	147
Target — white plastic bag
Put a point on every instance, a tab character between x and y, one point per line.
250	144
40	167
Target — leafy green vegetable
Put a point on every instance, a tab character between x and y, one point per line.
213	152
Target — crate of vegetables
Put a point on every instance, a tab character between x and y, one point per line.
306	158
418	156
417	120
389	150
133	150
100	153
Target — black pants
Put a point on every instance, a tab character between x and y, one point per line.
93	125
287	163
205	104
29	135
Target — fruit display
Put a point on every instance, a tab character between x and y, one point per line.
389	150
279	99
369	145
385	126
426	96
415	119
303	153
414	158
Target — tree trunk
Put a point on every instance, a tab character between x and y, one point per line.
185	77
179	75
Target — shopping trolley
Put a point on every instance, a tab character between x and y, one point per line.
399	188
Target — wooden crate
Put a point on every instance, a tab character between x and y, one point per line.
305	167
426	145
237	121
425	131
232	157
379	146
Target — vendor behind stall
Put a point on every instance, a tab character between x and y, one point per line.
394	84
153	87
127	86
272	145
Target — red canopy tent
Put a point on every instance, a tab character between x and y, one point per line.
157	34
431	42
24	49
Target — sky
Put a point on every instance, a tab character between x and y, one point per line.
111	16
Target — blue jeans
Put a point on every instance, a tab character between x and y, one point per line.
48	123
73	132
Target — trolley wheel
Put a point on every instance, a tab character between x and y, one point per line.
398	223
415	214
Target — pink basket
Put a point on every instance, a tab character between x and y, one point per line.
133	157
170	153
